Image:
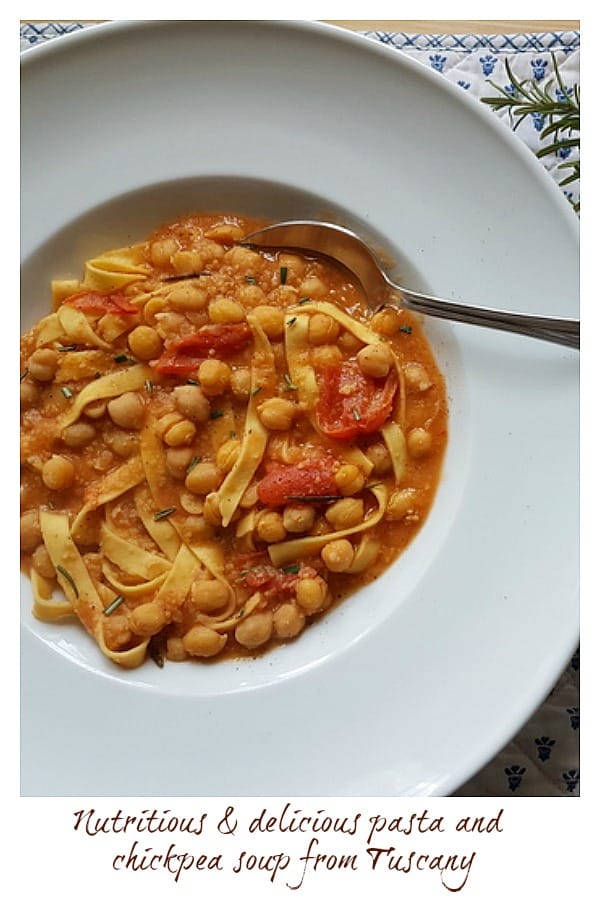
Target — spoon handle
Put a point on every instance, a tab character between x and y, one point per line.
546	328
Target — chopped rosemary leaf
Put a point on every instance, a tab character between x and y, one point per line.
303	300
406	329
69	578
192	381
256	391
250	279
164	513
192	463
66	348
283	274
292	570
115	603
66	392
123	358
356	414
216	414
149	385
289	385
24	374
292	320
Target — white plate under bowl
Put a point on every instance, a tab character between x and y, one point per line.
415	682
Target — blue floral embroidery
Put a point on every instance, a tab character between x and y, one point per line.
564	152
573	712
539	68
571	779
562	96
538	120
515	776
438	61
544	748
464	84
488	63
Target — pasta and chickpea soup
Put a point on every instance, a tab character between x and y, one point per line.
217	444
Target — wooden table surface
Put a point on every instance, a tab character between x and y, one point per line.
460	26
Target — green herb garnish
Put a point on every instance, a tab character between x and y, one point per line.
256	391
216	414
69	578
323	498
292	320
303	300
292	570
406	329
66	392
114	605
192	381
356	414
192	463
24	374
283	274
250	279
123	358
149	385
66	348
289	385
164	513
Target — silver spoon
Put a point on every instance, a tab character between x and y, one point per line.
347	248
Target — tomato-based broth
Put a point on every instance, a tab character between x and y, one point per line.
218	444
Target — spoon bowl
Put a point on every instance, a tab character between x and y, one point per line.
347	248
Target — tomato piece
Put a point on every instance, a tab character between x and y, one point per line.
275	582
351	403
183	355
285	483
95	303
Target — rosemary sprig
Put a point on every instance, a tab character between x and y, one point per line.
550	100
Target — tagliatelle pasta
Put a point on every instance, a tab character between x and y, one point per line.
218	444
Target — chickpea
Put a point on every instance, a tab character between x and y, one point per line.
416	377
197	527
270	527
204	478
277	414
31	532
122	443
127	411
175	651
203	641
295	265
312	287
255	630
228	453
43	364
387	321
338	555
58	473
187	262
240	383
400	504
212	513
180	434
209	596
42	563
191	503
144	342
419	442
322	329
79	434
161	252
95	409
249	497
223	310
243	259
345	513
192	402
375	360
349	344
379	455
271	320
148	618
311	594
349	479
29	394
250	295
326	355
214	376
154	306
288	621
298	519
177	460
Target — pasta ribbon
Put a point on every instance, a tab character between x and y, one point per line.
112	385
162	531
45	607
116	269
255	437
113	485
289	551
395	441
129	557
76	326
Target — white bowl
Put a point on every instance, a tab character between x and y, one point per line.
415	682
